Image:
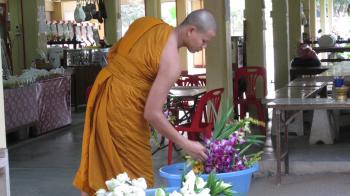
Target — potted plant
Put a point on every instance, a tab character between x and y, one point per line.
228	152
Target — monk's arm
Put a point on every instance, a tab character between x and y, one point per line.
168	73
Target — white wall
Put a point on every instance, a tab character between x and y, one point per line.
2	113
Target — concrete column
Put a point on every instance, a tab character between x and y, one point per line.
111	22
323	16
294	27
330	15
218	53
2	112
30	31
312	21
180	16
255	45
306	9
16	36
153	8
281	41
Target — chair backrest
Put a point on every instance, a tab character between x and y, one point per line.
248	76
191	80
207	108
184	80
199	80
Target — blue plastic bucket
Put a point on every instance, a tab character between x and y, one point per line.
240	180
152	192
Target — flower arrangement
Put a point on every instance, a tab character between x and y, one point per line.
192	185
228	147
122	185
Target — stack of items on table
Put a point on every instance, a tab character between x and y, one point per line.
39	99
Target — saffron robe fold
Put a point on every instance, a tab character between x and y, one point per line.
116	135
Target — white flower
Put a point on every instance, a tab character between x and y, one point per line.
188	185
123	177
112	183
200	183
101	192
174	193
137	191
140	182
123	188
160	192
225	185
204	192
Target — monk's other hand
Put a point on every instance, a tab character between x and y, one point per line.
196	150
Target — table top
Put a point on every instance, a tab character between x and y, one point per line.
186	91
309	82
338	69
308	104
292	92
331	49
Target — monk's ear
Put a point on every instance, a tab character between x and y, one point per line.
190	30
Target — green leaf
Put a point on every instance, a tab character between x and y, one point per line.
245	149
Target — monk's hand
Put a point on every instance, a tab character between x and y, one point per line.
196	150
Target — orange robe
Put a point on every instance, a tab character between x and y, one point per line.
116	135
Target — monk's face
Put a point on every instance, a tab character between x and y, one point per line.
199	40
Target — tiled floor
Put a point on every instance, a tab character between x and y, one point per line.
46	165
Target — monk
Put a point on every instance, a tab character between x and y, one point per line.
129	94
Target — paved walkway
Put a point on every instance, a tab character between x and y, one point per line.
46	166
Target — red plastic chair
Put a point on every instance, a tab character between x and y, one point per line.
184	80
202	121
199	80
248	76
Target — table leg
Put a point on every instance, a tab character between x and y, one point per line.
286	158
278	145
269	153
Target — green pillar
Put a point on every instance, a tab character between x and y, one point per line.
218	53
306	7
153	8
16	36
294	27
2	112
330	15
111	22
180	16
255	44
312	20
280	41
30	14
323	16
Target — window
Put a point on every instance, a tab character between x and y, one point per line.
168	9
130	11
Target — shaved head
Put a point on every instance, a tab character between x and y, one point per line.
202	19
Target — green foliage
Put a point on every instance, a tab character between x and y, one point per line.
218	187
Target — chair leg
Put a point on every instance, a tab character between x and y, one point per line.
242	110
261	114
170	152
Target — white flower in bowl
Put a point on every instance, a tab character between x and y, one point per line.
112	183
140	182
123	177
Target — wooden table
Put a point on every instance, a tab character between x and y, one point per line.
281	106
